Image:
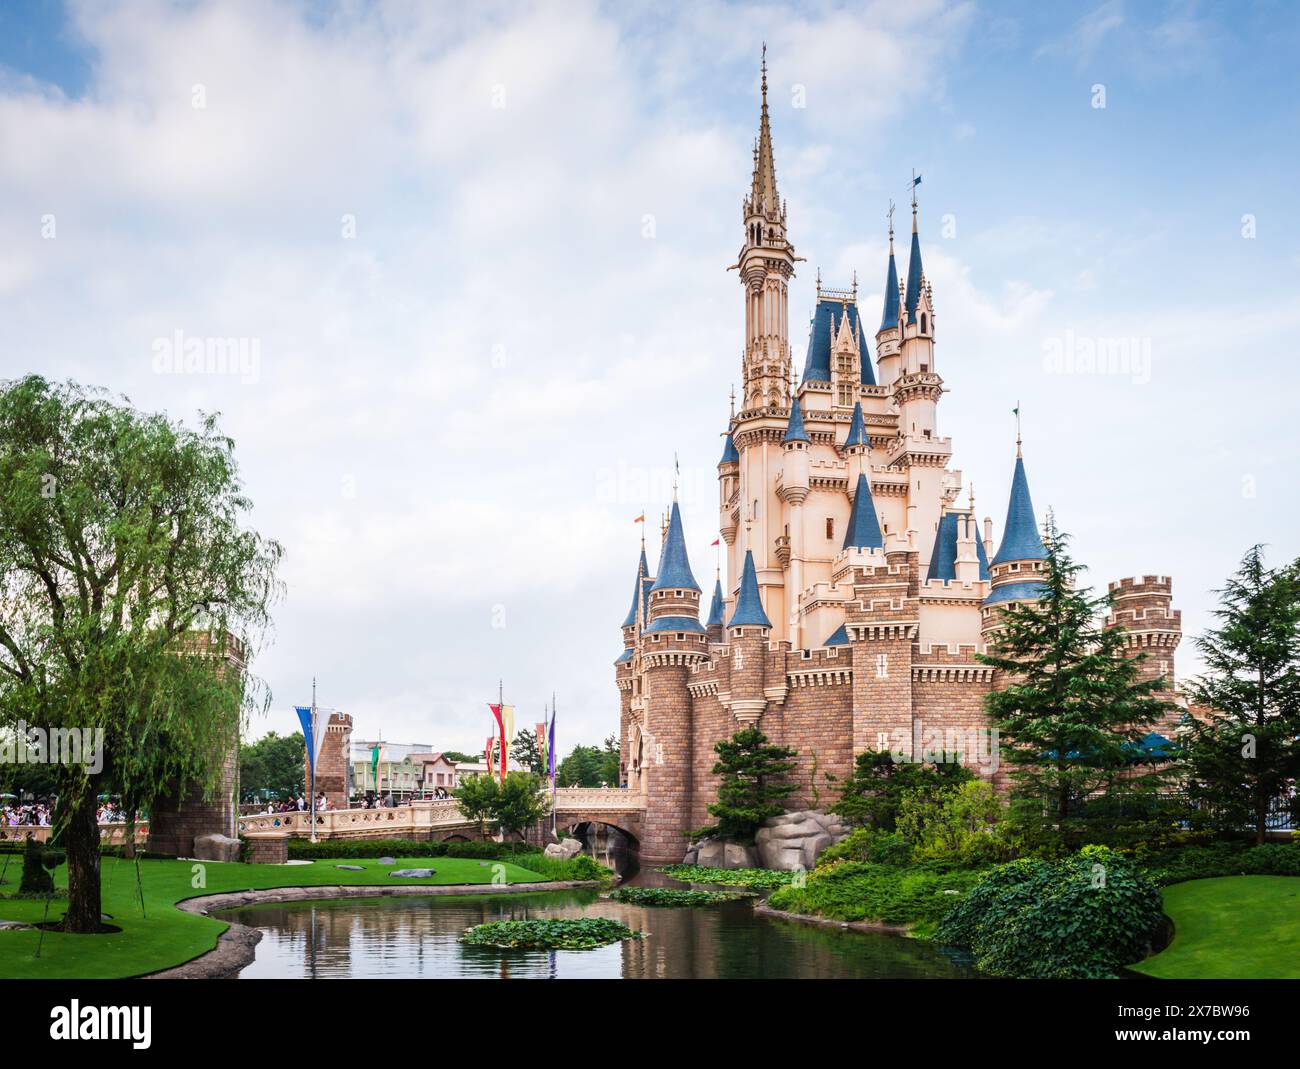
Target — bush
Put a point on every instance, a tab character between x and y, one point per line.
868	844
579	867
862	891
39	862
1221	859
957	824
1081	918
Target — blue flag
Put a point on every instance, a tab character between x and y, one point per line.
304	718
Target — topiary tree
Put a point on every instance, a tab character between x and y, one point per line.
752	788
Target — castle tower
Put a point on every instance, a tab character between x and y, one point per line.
747	632
1144	610
766	265
889	335
794	491
626	677
673	642
1015	573
334	762
717	613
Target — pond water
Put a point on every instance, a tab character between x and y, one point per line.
419	937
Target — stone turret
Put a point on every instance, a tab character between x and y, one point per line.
748	631
1143	608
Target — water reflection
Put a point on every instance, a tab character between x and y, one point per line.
416	937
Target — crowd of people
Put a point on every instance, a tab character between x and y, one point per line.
36	815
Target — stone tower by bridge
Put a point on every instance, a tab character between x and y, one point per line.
858	584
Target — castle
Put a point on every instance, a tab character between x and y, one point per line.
859	586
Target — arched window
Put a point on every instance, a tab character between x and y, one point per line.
924	328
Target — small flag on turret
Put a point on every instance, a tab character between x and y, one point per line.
715	541
640	519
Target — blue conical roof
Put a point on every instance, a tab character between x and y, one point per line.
795	432
749	606
943	558
839	637
644	582
729	454
716	606
890	316
864	528
1020	539
857	428
817	367
674	567
913	275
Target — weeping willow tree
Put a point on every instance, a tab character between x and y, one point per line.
125	569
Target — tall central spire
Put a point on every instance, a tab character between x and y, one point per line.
763	193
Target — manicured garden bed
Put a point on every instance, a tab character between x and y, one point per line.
160	935
1231	928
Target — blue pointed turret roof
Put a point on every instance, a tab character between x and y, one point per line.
913	274
839	637
857	428
749	606
943	558
644	582
794	432
826	319
729	454
864	528
674	566
717	606
1020	538
889	318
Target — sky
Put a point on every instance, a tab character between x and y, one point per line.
476	257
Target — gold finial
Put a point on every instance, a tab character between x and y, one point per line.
764	70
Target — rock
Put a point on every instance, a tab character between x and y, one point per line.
554	850
215	847
712	854
736	856
388	861
571	847
813	847
801	830
351	868
13	926
413	874
691	856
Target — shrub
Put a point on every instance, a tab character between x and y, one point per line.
578	867
957	824
38	878
857	891
868	844
582	934
1221	859
1080	918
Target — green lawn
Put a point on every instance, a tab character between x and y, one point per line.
165	936
1231	928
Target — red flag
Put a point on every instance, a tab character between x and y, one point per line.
640	519
487	755
715	541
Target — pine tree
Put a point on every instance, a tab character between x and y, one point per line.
1074	706
1243	749
752	787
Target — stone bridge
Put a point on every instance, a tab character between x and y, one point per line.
620	809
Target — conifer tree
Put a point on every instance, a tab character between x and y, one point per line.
752	787
1244	746
1074	707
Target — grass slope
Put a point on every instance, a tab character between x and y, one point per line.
165	936
1231	928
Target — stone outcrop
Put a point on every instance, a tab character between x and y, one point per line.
795	840
216	847
716	854
564	850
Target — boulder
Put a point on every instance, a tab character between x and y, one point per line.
712	854
413	874
388	861
736	856
215	847
13	926
691	856
351	868
812	848
571	847
556	851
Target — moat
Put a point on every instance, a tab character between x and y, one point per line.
401	938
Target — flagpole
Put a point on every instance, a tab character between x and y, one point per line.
551	761
313	758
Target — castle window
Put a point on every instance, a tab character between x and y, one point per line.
830	526
923	327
